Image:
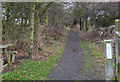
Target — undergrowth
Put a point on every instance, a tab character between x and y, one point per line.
93	58
34	70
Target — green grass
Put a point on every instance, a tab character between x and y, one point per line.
67	28
84	52
34	70
91	63
96	54
88	65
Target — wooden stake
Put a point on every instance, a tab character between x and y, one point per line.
13	58
117	24
1	68
108	60
117	41
116	56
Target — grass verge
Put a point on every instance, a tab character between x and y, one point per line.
35	70
98	52
91	66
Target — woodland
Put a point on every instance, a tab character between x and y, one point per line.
39	32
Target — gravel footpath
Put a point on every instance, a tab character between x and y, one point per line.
69	66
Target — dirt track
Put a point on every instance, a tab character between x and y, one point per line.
71	62
72	65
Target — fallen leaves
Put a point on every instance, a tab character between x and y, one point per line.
33	69
98	52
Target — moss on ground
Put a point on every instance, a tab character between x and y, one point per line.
91	70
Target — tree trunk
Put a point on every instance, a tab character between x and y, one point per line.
5	30
86	25
0	22
31	48
25	22
47	36
80	24
36	31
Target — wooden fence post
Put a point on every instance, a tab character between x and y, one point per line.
116	55
1	62
13	58
108	60
117	24
1	68
117	47
0	22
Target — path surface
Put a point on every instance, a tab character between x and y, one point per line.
70	64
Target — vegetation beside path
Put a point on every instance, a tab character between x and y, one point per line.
38	69
94	60
35	70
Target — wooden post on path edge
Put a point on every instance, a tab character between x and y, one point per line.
108	60
117	47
